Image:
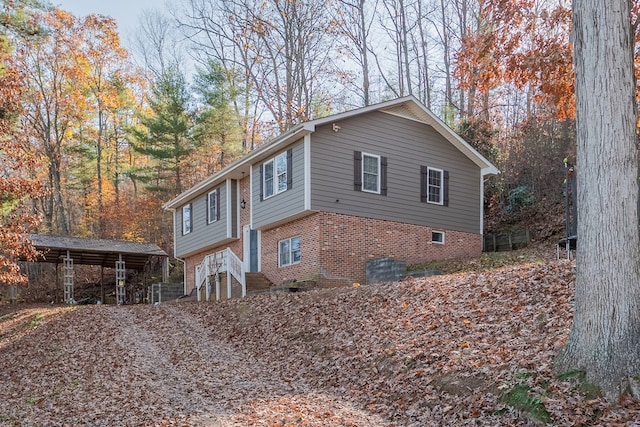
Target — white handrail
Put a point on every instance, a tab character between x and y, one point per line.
222	261
235	268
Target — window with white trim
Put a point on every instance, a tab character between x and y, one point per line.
289	251
437	237
370	173
435	187
275	175
187	224
213	210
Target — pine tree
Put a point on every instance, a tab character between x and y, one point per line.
165	135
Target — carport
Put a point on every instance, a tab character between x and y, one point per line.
119	254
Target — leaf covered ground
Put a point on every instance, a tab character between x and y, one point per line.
470	348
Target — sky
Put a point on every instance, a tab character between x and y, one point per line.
125	12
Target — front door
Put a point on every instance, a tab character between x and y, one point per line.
250	252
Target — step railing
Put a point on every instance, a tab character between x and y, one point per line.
219	262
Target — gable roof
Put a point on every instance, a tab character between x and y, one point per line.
407	107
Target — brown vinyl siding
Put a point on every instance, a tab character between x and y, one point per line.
408	145
282	205
202	234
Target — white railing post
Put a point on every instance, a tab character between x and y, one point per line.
215	263
235	267
198	277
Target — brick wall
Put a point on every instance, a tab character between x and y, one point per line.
308	229
347	242
335	247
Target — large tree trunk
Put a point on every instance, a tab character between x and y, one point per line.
605	335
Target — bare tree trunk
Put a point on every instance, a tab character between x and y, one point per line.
446	51
605	335
424	44
364	48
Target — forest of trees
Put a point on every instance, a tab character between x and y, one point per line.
95	137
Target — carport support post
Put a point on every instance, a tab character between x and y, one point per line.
102	284
67	277
120	280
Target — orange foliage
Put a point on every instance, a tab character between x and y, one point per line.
517	43
16	185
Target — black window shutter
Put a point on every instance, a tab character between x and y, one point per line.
445	189
423	184
383	176
182	221
218	204
262	182
206	206
357	170
289	169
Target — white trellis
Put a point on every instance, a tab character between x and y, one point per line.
121	276
67	274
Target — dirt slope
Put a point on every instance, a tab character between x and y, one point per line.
463	349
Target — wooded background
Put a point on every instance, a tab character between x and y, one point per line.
98	137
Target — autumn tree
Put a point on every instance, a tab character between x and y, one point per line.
605	334
55	105
157	44
104	76
520	43
17	185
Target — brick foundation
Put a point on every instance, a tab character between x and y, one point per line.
348	242
335	248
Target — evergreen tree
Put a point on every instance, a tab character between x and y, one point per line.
164	135
218	126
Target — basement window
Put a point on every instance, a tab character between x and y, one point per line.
437	237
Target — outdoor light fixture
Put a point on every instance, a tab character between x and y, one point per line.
243	204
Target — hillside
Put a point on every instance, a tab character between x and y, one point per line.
473	348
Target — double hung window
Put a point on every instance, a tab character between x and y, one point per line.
276	175
289	251
434	186
370	173
213	206
187	221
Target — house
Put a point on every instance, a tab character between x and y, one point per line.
317	202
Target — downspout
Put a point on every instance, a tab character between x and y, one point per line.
184	264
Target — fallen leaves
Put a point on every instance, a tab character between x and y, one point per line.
422	352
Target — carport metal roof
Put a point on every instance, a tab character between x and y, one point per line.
101	252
